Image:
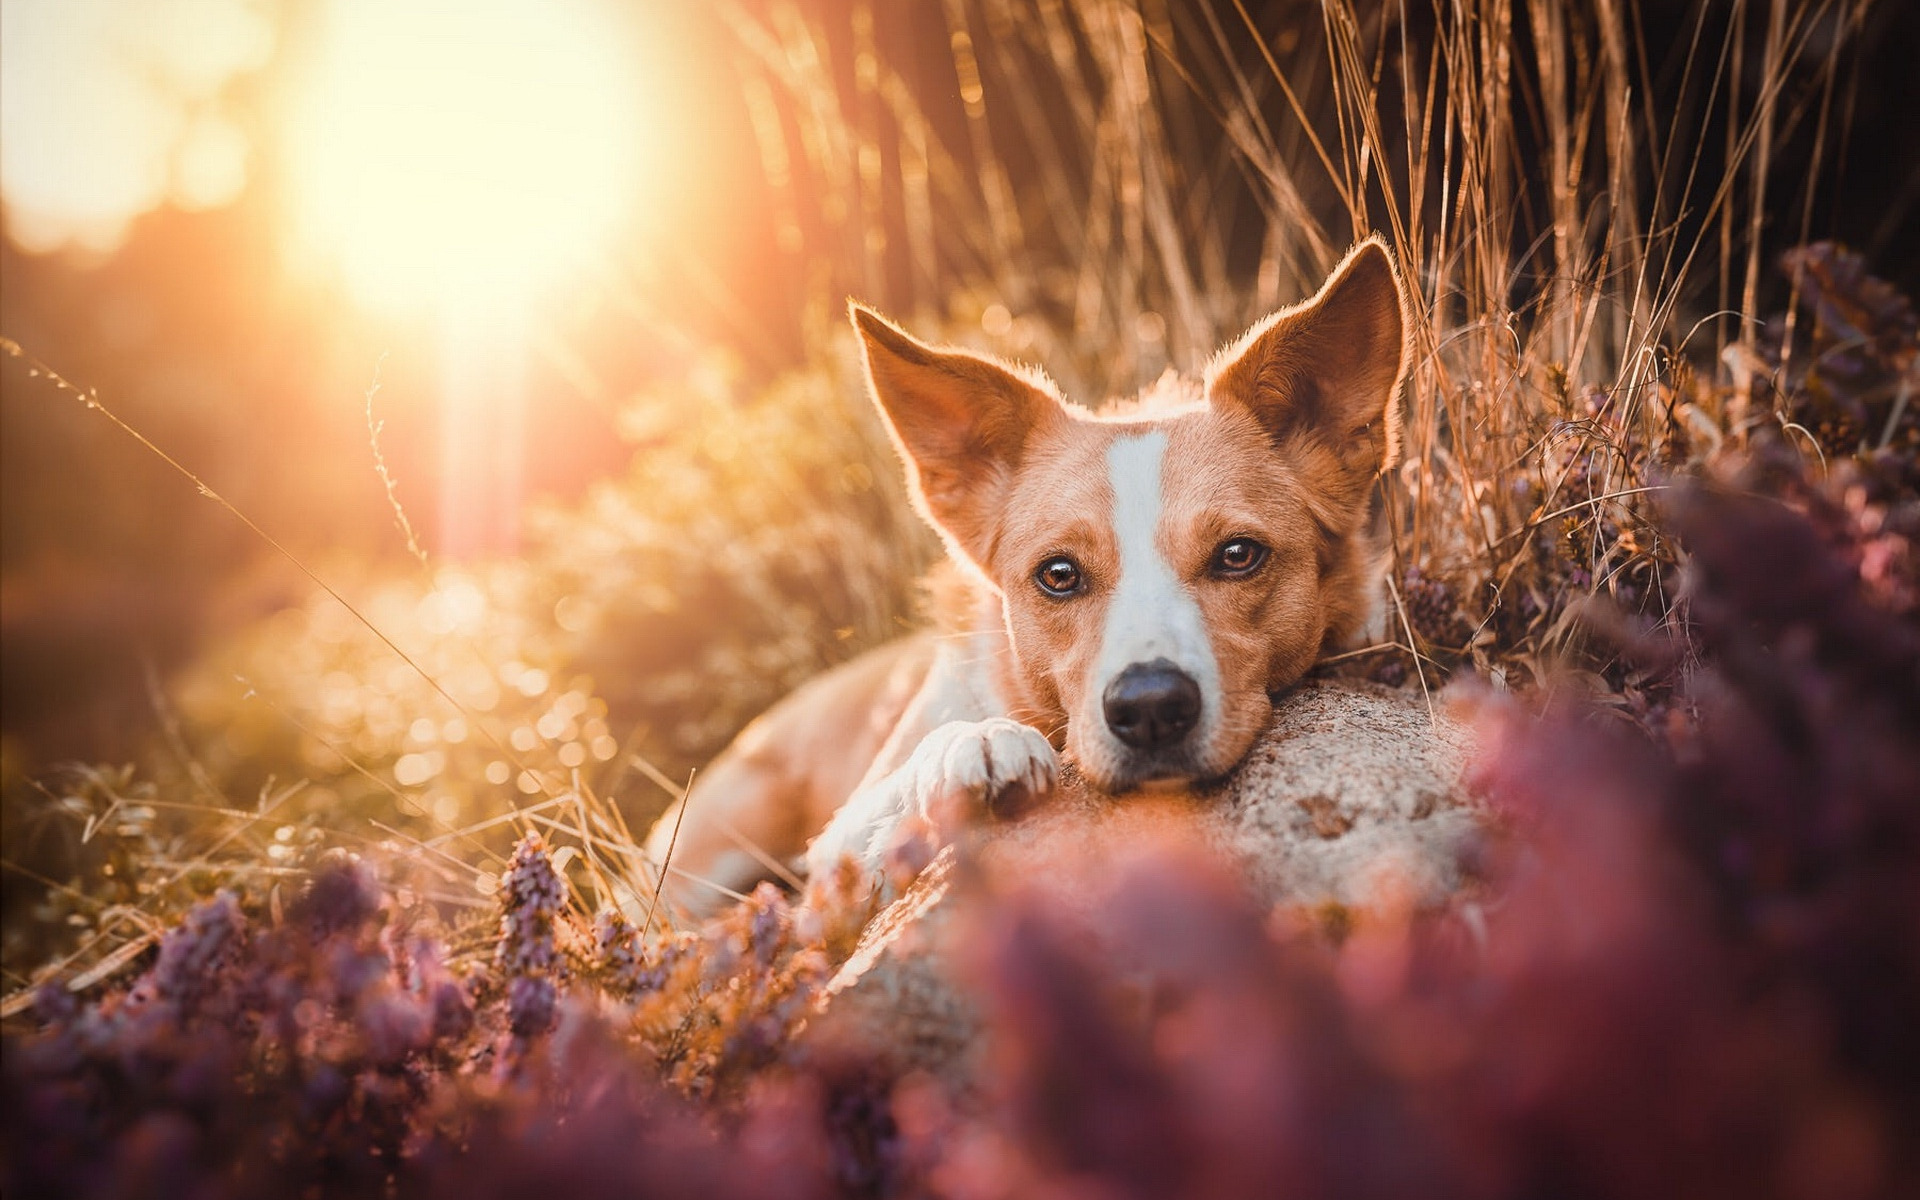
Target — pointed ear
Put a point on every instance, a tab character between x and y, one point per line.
1323	377
961	423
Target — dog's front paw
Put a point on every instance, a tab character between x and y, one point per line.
962	768
893	826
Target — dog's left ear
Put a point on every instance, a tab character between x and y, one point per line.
1323	377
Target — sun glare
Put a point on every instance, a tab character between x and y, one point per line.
464	152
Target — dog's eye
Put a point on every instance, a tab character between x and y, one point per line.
1238	556
1058	576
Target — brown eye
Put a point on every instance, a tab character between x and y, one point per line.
1058	576
1238	556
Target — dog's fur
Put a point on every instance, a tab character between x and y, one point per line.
1280	446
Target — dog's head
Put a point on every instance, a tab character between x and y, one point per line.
1163	576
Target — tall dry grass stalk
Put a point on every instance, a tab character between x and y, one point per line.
1123	185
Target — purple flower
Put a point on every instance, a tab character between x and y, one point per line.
342	896
193	953
530	1005
532	895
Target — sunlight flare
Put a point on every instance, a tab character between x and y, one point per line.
464	151
457	159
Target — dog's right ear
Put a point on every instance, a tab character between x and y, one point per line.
961	422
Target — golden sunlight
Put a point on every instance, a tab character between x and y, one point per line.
463	151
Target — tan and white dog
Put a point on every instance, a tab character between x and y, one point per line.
1142	586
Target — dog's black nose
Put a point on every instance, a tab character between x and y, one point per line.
1150	706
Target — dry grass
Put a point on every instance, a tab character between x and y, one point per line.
1126	186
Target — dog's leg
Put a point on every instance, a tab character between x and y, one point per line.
960	769
956	692
754	807
718	841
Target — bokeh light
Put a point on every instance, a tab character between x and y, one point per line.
108	110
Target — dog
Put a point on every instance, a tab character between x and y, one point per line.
1138	589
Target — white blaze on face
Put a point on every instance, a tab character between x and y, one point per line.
1151	614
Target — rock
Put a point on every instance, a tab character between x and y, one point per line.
1353	797
1352	782
896	994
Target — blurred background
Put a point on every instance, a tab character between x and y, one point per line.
236	219
518	322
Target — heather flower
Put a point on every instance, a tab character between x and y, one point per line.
350	969
618	954
764	934
394	1025
193	954
452	1011
671	955
532	896
342	897
530	1005
1850	362
1432	608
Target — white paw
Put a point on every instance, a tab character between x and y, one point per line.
961	769
974	766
